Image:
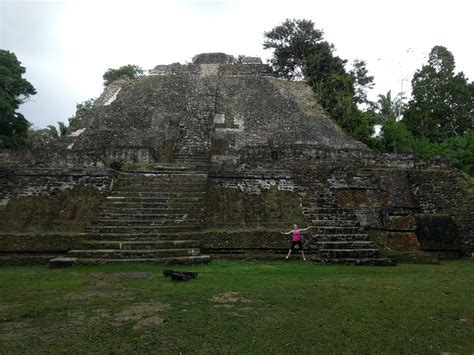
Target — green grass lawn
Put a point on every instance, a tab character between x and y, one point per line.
239	307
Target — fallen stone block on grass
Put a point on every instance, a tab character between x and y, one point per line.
61	262
180	275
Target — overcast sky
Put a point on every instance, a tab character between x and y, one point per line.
66	46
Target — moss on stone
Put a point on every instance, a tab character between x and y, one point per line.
65	211
395	241
233	208
411	257
351	198
300	92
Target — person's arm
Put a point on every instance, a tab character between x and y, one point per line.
305	229
286	232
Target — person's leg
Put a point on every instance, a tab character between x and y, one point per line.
300	245
289	253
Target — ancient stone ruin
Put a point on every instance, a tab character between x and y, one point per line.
215	158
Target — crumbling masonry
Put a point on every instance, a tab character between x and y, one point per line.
215	157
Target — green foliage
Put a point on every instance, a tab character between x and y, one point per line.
340	91
38	138
396	137
14	90
56	133
362	81
82	109
292	42
459	150
238	59
443	102
436	121
129	71
300	53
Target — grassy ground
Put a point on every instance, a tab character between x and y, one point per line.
239	307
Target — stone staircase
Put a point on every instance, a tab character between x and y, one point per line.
337	231
195	161
149	217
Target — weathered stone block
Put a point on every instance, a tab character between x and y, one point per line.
398	241
350	198
437	232
401	223
61	262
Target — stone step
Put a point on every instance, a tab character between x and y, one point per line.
198	259
340	237
179	156
177	175
149	201
172	185
141	244
171	181
355	244
332	216
156	199
328	211
358	261
132	254
318	200
337	229
323	205
314	214
159	188
141	229
335	223
190	206
157	210
191	159
103	222
168	236
148	216
157	194
349	253
333	210
184	169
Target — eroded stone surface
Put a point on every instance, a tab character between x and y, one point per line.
267	157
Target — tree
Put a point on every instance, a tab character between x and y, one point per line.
443	102
38	138
58	133
14	90
82	109
362	81
299	53
340	91
292	42
129	71
387	107
396	137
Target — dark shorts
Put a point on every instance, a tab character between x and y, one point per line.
296	245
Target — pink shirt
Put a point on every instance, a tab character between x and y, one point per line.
296	235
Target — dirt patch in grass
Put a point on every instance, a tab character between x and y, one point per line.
11	330
141	315
107	285
225	306
144	314
229	297
137	275
465	319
